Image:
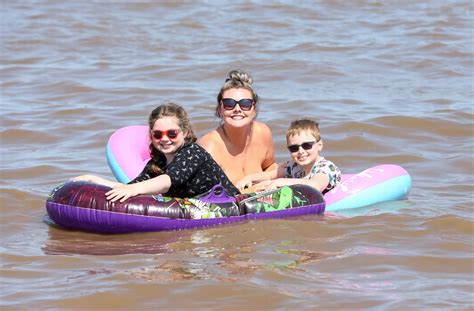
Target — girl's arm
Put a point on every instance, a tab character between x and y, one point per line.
97	180
159	184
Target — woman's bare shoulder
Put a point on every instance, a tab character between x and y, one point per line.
262	129
209	140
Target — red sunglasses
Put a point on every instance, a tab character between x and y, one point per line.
171	133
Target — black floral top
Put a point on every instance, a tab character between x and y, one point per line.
193	171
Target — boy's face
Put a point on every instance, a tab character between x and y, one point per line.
308	149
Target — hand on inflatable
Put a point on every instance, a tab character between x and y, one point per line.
244	183
122	192
265	185
272	184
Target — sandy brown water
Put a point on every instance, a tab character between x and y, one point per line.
390	82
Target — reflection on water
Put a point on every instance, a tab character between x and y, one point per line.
209	261
228	264
303	257
64	242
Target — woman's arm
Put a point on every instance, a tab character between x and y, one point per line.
319	182
269	175
266	139
249	180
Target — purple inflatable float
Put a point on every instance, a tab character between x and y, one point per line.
83	206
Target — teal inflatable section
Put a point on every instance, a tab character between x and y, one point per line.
115	167
394	189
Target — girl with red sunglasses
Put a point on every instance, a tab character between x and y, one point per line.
178	167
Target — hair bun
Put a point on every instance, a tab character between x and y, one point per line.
241	76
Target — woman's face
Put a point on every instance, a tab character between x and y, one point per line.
166	135
236	116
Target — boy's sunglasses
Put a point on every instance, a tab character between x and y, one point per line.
229	104
306	146
171	133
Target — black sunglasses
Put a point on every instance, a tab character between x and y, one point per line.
229	104
306	146
172	133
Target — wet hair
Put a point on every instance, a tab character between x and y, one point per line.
237	79
303	125
169	110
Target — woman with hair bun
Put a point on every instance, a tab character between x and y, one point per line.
240	145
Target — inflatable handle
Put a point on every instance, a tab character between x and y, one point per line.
217	195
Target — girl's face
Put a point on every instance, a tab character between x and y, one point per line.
304	148
167	136
241	114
